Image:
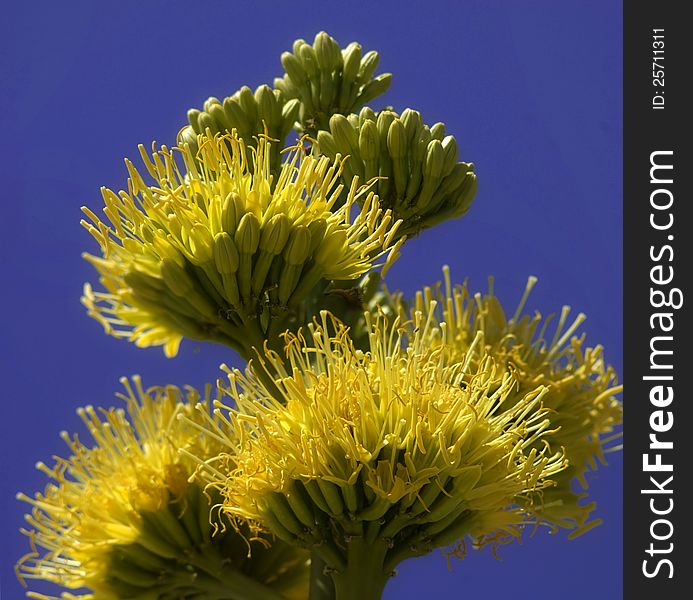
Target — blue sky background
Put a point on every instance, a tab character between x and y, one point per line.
531	90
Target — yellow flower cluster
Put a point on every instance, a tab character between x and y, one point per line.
581	387
220	251
398	447
122	518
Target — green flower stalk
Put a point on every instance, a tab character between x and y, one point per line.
373	457
126	519
215	252
329	80
582	388
417	170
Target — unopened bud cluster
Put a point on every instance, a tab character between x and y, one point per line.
329	80
266	112
417	169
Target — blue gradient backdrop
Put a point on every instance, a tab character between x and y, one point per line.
532	90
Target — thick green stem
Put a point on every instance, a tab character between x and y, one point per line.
253	349
321	586
228	586
364	576
242	587
227	581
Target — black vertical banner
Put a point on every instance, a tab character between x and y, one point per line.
658	168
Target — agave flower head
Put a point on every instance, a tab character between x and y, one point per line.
395	449
123	518
215	249
582	387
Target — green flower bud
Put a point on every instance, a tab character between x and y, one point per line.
325	49
397	139
412	123
232	209
211	101
226	256
397	147
277	108
367	114
236	117
247	101
464	194
294	68
175	277
166	250
317	231
297	249
216	111
352	62
326	144
331	248
374	88
336	58
275	233
247	236
309	60
438	131
298	44
205	121
453	181
286	86
421	144
273	238
193	115
344	135
266	105
188	137
433	165
434	161
138	280
201	244
369	63
385	118
369	146
450	148
290	113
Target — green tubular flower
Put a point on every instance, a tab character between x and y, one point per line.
266	112
419	177
125	519
373	457
215	254
582	387
329	80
